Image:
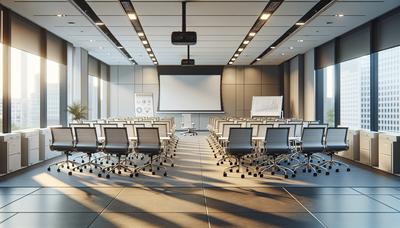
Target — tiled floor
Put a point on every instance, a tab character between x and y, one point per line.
196	195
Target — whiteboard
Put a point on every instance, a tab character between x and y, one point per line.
266	106
144	105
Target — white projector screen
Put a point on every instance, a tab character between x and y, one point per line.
186	93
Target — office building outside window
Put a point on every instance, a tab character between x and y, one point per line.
1	87
53	93
355	93
389	90
93	93
329	95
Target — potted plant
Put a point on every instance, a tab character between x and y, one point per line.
77	111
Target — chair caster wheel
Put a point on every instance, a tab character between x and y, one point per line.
217	164
304	170
130	163
295	172
261	175
67	167
230	170
158	168
103	171
257	168
255	175
125	170
337	170
272	173
247	170
108	176
82	161
327	173
62	166
112	163
225	175
165	174
131	175
70	173
319	171
309	170
230	163
311	160
99	175
119	172
329	167
136	174
106	162
84	167
153	173
172	165
101	163
113	171
293	175
222	163
242	176
315	174
286	176
48	169
288	163
215	156
348	169
249	173
237	171
90	171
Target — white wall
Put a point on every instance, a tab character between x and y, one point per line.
309	86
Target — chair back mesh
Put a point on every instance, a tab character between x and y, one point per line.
336	136
277	136
292	128
226	127
240	136
62	136
148	136
116	136
313	135
86	135
262	129
102	126
162	129
312	125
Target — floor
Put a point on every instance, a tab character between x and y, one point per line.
195	194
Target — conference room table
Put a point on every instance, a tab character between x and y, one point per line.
102	139
260	138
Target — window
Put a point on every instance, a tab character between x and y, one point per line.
389	90
25	90
355	93
53	93
329	95
93	93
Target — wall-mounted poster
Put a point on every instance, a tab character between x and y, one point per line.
144	105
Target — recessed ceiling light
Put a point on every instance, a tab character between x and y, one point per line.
246	42
233	59
140	34
291	48
252	34
155	62
240	49
91	41
144	42
230	63
265	16
272	47
154	59
258	59
236	55
339	15
99	23
151	55
148	49
120	47
131	59
60	15
300	23
132	16
300	41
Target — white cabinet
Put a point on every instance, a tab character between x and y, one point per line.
353	139
44	145
369	147
389	145
29	147
10	152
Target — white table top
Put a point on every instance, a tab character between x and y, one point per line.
101	139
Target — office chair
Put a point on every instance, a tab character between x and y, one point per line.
62	140
238	146
86	142
117	143
188	125
336	140
165	144
277	144
148	143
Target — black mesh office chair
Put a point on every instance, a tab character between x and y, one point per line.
277	144
311	142
117	143
335	141
62	140
86	142
239	144
148	143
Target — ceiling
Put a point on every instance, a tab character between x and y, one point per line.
220	25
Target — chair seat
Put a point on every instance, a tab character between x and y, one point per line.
61	147
277	149
239	149
312	147
116	148
336	147
148	148
87	148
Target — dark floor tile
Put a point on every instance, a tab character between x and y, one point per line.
388	200
321	191
249	219
121	220
250	200
364	220
16	191
342	203
44	220
373	191
58	203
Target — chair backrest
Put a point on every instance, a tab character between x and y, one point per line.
162	129
313	135
62	136
116	136
131	129
187	121
102	126
292	128
148	136
221	125
325	126
86	135
262	129
277	137
226	127
336	136
240	136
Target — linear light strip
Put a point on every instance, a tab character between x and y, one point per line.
269	9
92	16
312	13
134	19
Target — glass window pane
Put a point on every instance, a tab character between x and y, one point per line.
53	93
25	90
389	90
329	95
355	93
93	97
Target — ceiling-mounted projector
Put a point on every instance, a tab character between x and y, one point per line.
184	38
187	62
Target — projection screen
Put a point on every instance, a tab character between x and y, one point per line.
190	93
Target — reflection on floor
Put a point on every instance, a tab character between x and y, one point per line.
196	195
